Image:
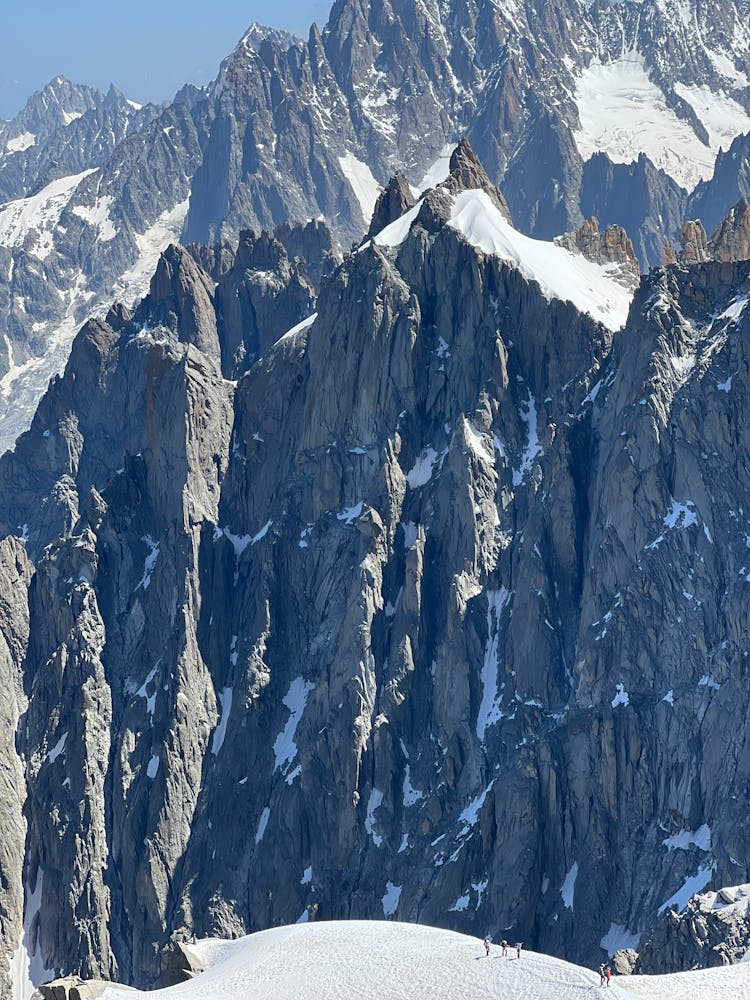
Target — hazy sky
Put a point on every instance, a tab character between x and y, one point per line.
147	48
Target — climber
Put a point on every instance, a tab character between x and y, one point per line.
487	946
504	946
519	945
602	975
608	974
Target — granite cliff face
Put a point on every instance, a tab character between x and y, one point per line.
439	611
15	576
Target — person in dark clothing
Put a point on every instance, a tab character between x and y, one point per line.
519	945
487	946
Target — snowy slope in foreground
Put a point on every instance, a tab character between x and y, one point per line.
393	961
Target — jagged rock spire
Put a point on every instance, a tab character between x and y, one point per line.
612	246
467	173
731	240
693	241
395	199
668	254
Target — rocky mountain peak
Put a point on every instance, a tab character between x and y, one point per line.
394	200
180	300
314	244
257	33
731	241
668	254
467	173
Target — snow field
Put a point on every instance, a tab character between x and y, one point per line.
364	185
387	960
592	288
39	214
623	113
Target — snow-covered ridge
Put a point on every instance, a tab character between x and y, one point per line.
384	960
593	289
21	142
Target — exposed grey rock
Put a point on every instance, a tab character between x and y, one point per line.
466	173
96	241
668	254
15	577
613	246
453	552
624	962
76	129
693	243
395	199
178	964
256	34
712	199
73	988
646	201
313	243
714	929
731	241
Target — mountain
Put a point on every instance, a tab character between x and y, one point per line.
393	961
613	109
78	239
415	600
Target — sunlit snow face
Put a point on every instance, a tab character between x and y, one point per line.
623	114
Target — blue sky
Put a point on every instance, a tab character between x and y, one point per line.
147	48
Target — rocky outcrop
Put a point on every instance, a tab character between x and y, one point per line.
731	241
466	173
647	202
624	962
394	200
693	243
714	929
668	254
231	311
613	246
73	988
178	964
313	243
